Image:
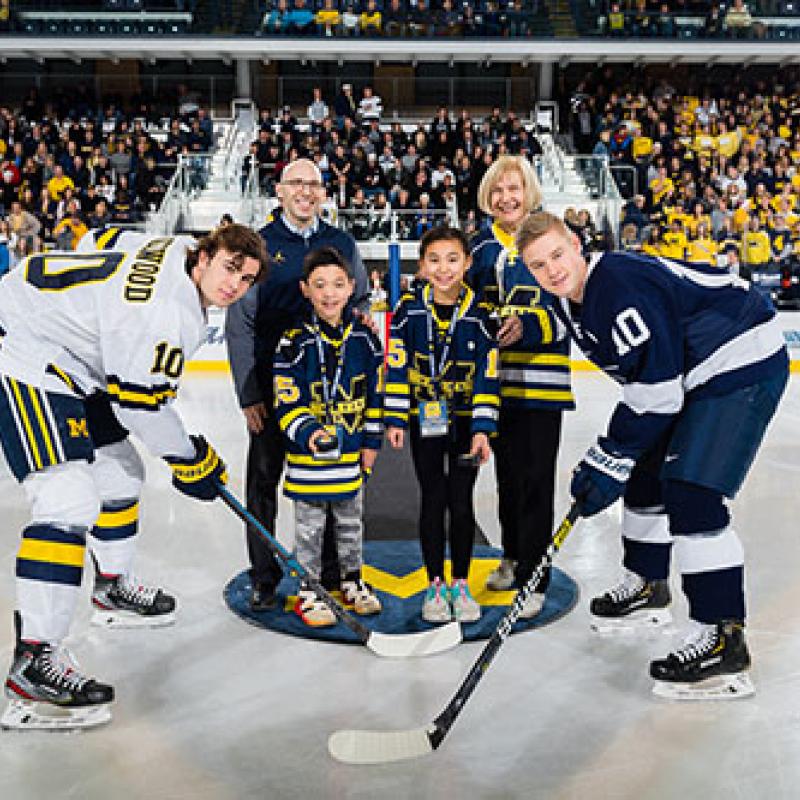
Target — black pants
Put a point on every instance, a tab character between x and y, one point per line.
445	486
265	460
525	452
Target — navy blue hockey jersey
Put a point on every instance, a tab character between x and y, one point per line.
663	329
534	372
468	379
355	408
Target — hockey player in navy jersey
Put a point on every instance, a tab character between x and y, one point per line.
442	385
328	404
534	377
122	322
702	364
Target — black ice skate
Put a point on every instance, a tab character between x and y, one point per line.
710	665
633	603
125	602
47	692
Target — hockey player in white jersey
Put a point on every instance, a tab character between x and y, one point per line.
121	322
703	364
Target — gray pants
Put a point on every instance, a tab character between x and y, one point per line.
309	524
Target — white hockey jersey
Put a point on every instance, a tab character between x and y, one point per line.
122	321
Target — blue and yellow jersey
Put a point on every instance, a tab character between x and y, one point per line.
534	372
464	359
345	364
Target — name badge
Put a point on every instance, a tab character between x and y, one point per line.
330	449
433	418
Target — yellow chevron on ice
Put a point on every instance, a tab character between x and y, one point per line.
405	586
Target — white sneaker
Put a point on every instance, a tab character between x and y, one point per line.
532	606
436	605
502	577
359	596
465	607
313	611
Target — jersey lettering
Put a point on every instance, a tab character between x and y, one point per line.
629	331
55	273
144	272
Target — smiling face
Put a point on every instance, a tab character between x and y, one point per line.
555	260
224	278
444	265
300	192
507	200
328	288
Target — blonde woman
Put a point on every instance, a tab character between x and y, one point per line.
535	375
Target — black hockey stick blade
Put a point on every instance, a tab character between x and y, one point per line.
381	747
410	645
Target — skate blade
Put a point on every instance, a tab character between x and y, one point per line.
637	622
130	619
719	687
23	715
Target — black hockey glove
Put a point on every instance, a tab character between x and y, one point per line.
600	478
199	476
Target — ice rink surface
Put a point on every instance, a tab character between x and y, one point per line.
215	708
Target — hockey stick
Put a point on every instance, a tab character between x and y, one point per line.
380	747
425	643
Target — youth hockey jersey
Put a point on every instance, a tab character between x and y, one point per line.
665	329
468	379
534	372
312	361
120	321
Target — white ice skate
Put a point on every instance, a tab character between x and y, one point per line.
125	602
632	605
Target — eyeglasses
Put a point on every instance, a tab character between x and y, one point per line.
297	184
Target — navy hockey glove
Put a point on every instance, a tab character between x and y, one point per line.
600	478
199	476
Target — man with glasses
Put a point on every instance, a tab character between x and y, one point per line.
253	329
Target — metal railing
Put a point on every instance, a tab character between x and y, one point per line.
389	224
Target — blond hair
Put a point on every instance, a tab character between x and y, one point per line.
536	225
502	165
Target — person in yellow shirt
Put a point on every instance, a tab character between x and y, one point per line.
673	242
59	183
697	218
328	19
756	246
371	20
69	231
702	249
660	185
651	246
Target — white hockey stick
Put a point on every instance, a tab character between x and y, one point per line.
380	747
408	645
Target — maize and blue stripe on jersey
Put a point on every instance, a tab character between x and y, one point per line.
664	329
117	522
469	380
315	362
140	396
535	371
51	555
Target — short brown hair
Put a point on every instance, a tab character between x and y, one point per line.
537	225
237	239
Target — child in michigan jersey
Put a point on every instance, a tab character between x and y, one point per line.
328	404
442	383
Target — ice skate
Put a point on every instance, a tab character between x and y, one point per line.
501	577
631	605
359	596
711	664
262	597
465	607
313	611
125	602
436	605
47	692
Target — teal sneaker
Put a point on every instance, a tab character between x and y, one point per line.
465	607
436	605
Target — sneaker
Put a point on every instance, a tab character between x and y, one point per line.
502	577
262	596
436	605
631	595
532	606
42	673
465	607
312	610
124	601
708	651
359	595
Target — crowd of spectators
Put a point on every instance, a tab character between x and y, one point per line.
718	175
402	18
374	170
60	175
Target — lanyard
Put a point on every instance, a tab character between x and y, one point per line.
330	388
438	370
